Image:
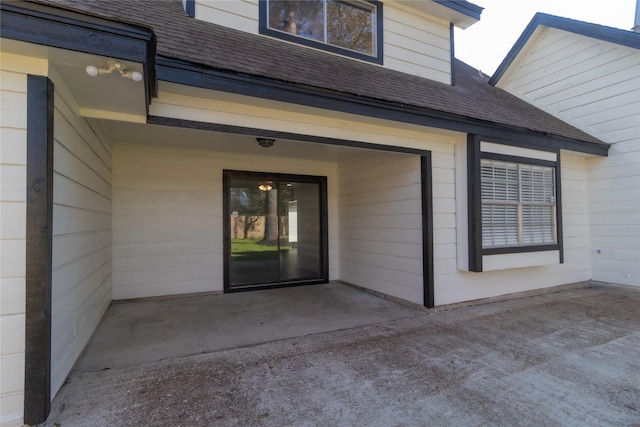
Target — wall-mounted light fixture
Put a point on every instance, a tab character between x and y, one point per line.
112	66
265	142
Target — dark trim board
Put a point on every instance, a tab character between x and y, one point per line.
227	175
452	49
189	74
241	130
427	230
474	202
474	205
39	253
600	32
559	224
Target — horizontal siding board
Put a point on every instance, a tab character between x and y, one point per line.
68	277
73	194
69	220
13	109
12	295
13	213
13	150
13	181
83	130
73	247
74	169
69	138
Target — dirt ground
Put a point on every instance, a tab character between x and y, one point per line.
567	358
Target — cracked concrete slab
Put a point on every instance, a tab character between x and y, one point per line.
566	358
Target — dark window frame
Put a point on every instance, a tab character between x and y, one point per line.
378	58
227	175
474	211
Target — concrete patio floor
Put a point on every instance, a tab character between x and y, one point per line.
332	355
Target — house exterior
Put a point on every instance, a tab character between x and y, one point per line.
590	78
137	136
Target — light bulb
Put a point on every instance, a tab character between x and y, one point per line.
92	70
136	76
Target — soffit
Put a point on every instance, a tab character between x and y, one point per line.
167	136
459	19
107	96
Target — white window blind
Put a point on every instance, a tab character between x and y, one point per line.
518	204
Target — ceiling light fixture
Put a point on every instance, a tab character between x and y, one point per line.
112	66
265	185
265	142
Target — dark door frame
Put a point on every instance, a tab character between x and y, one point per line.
227	175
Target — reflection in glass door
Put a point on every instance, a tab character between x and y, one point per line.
275	232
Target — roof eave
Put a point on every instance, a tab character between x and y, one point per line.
461	14
609	34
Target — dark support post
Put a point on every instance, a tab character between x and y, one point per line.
37	395
473	202
559	226
427	230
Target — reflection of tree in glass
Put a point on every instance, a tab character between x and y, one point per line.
253	204
349	26
348	23
304	18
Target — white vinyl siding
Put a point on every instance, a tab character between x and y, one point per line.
381	224
81	266
595	86
167	224
413	42
13	161
416	44
518	204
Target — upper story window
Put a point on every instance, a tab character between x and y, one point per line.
348	27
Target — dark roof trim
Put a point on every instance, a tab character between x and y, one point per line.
66	29
462	6
608	34
186	73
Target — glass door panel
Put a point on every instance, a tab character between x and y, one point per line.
300	225
254	252
275	229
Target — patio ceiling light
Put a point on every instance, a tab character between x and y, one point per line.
112	66
265	142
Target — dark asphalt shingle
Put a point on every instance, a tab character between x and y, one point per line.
221	48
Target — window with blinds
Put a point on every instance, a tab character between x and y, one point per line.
518	204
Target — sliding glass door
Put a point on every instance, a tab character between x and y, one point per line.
275	230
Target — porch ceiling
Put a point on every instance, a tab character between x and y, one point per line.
105	96
167	136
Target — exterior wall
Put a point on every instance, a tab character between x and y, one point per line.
381	224
414	43
167	224
449	187
81	288
13	160
594	85
453	284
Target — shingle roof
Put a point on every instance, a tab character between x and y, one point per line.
185	38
